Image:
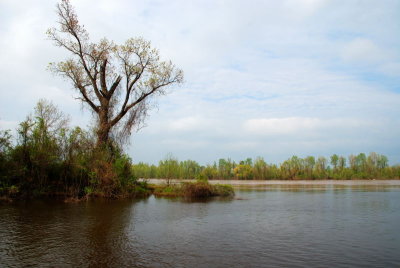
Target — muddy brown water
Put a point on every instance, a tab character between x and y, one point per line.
263	226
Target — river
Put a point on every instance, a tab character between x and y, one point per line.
263	226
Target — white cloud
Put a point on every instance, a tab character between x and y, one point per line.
304	7
364	51
269	78
290	125
188	124
390	68
303	126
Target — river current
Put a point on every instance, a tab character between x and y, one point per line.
268	226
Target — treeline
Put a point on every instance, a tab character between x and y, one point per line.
361	166
50	158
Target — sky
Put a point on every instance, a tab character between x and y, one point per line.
262	78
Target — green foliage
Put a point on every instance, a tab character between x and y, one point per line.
143	170
89	190
171	190
293	168
209	172
123	170
49	158
201	177
5	141
260	169
334	161
243	171
223	190
361	166
198	189
5	146
169	168
225	168
189	169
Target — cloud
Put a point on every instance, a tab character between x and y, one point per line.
364	51
188	124
390	68
269	78
304	7
291	125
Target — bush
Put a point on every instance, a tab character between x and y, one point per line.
204	189
49	158
197	189
223	190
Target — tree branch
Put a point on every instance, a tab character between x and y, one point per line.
103	78
72	26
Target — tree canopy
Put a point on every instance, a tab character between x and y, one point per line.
117	82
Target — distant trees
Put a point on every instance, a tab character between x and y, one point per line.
309	165
260	169
243	171
320	170
225	168
169	168
48	157
341	162
188	168
373	166
334	161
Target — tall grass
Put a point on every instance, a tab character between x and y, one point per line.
198	189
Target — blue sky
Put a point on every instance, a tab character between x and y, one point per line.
262	78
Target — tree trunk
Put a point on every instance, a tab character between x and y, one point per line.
103	136
104	128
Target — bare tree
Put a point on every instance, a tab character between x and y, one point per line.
51	118
116	82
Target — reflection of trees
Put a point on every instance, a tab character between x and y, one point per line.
107	233
87	234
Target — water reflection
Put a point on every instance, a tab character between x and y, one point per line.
318	188
290	226
38	231
105	231
219	199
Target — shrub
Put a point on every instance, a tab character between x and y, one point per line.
197	189
223	190
205	189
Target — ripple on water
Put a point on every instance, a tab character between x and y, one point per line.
273	228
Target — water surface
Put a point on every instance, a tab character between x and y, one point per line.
274	226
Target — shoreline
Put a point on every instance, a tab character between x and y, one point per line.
287	182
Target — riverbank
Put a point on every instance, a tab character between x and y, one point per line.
143	189
290	182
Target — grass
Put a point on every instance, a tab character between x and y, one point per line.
198	189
